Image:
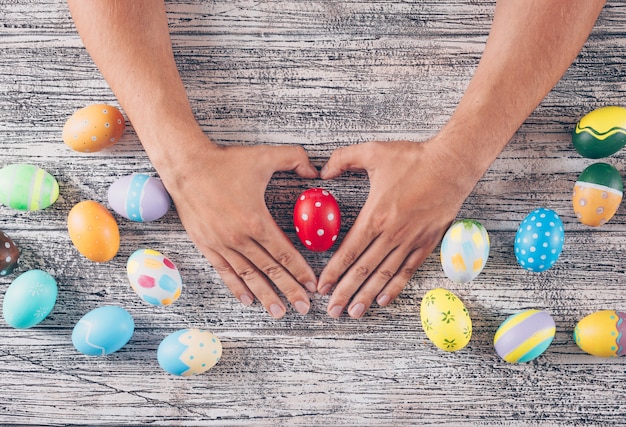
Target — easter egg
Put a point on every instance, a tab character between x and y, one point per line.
524	336
464	250
539	240
317	219
154	277
445	320
27	187
597	194
93	128
104	330
139	197
601	132
9	254
602	333
93	231
29	299
189	352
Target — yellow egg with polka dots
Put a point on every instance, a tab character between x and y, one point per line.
597	194
445	320
94	128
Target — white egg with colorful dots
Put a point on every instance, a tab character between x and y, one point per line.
154	277
189	352
539	240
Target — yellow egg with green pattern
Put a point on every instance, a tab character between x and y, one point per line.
602	333
597	194
445	320
601	132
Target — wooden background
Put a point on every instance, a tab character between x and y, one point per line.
322	74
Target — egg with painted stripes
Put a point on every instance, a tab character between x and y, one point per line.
464	250
445	320
103	330
597	194
602	333
154	277
139	197
189	352
601	132
524	336
27	187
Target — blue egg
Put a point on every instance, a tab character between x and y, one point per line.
539	240
29	299
189	352
103	330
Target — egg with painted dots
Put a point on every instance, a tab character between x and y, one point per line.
317	219
154	277
139	197
597	194
188	352
9	254
94	128
539	240
93	231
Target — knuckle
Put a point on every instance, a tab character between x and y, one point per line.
273	271
348	259
362	272
285	258
385	274
248	273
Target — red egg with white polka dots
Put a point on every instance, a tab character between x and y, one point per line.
317	219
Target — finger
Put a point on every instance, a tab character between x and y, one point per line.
292	158
274	271
229	277
344	159
359	273
408	268
356	241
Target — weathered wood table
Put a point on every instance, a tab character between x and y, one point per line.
321	74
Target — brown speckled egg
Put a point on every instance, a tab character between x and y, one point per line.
9	254
94	128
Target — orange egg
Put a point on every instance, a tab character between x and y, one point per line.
93	231
94	128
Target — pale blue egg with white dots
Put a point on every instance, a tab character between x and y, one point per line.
539	240
189	352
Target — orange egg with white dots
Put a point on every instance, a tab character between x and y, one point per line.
93	231
94	128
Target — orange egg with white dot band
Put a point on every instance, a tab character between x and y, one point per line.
597	194
94	128
93	231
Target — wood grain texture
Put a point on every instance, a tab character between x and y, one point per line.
322	74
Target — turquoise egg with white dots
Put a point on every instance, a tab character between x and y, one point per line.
539	240
189	352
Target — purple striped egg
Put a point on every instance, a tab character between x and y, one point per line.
139	197
524	336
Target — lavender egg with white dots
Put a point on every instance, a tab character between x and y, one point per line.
539	240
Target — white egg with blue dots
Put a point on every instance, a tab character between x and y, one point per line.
189	352
539	240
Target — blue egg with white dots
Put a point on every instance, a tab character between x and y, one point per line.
189	352
539	240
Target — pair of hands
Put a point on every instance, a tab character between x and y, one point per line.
415	193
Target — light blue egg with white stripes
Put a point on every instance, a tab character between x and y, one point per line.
139	197
539	240
103	331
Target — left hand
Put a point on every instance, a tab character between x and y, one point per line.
416	191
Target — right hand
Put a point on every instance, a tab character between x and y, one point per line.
219	195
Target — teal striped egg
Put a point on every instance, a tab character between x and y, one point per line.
27	187
524	336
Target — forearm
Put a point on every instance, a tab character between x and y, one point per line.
531	45
129	42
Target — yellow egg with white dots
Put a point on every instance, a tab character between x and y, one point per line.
445	320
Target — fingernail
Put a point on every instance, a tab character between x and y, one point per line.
325	289
301	307
310	286
357	310
383	300
276	311
246	299
335	311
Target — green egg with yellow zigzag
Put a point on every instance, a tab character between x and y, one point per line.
601	132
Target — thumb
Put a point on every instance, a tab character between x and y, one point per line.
344	159
293	158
